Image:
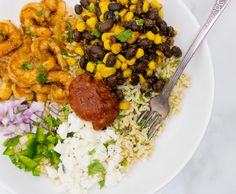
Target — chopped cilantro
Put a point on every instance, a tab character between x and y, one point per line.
70	38
120	117
61	38
116	13
71	134
27	65
99	62
51	122
96	167
90	7
139	22
101	183
66	111
111	142
91	152
28	31
1	34
68	26
96	34
41	78
65	53
41	68
124	162
39	13
124	36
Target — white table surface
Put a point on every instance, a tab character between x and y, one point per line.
212	170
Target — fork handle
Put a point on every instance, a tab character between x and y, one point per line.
216	11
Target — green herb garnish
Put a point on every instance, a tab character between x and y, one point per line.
102	183
91	152
90	7
116	13
27	66
120	117
111	142
124	36
96	34
70	38
39	13
96	167
68	26
65	53
28	31
61	38
139	22
1	34
124	162
99	62
51	122
66	111
41	78
41	68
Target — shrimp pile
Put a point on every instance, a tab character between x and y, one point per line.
31	61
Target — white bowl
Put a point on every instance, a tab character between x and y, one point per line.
179	139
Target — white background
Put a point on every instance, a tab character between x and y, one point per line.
212	170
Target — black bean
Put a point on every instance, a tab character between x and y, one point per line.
119	94
170	31
119	74
105	26
84	3
96	51
108	15
163	47
145	87
83	62
88	36
90	74
176	51
152	80
140	67
149	22
97	10
159	85
120	82
113	39
168	54
169	41
78	9
143	15
130	53
125	46
146	43
111	60
153	14
115	6
111	81
152	56
77	36
139	7
134	79
85	18
163	27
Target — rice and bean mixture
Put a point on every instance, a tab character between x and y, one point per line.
128	46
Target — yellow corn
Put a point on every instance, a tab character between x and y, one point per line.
122	12
99	67
150	35
79	51
98	76
149	72
132	8
139	53
124	105
121	58
163	39
134	1
159	53
161	14
160	60
133	37
141	79
105	58
90	67
118	29
124	66
152	65
104	6
158	39
156	4
91	23
129	16
107	44
108	71
131	61
117	64
116	48
81	26
80	71
123	2
145	6
127	73
71	61
107	36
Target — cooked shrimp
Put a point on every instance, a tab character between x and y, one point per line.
19	92
60	90
41	97
5	88
33	18
57	8
42	89
10	37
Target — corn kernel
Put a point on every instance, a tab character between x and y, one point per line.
134	1
105	58
129	16
159	53
124	105
149	72
158	39
127	73
91	23
107	36
161	14
141	79
117	64
152	65
142	36
131	61
145	6
139	53
99	67
118	29
116	48
132	8
107	44
163	39
123	2
122	12
90	67
104	6
133	37
81	26
71	61
108	71
121	58
150	35
79	51
156	4
98	76
101	18
80	71
124	66
160	60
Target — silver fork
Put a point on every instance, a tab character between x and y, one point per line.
160	108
